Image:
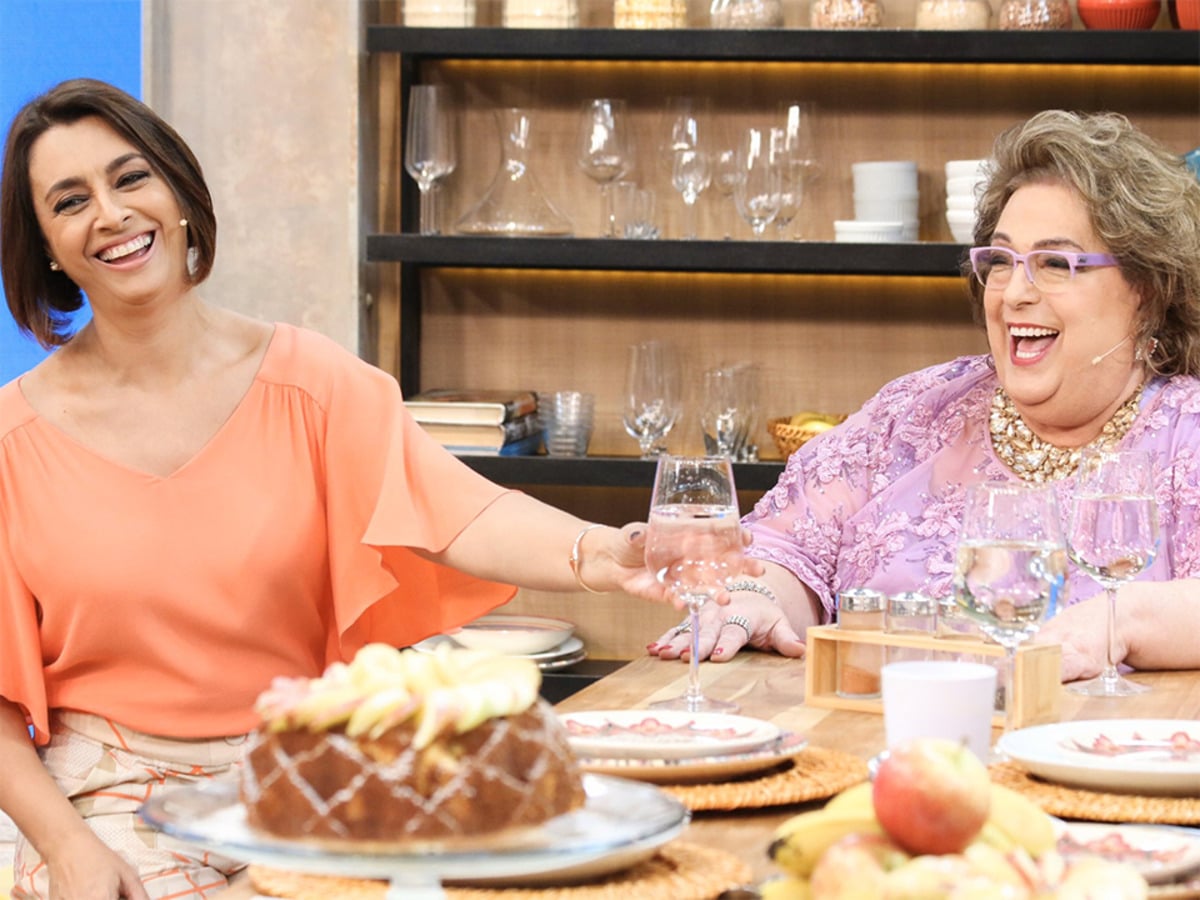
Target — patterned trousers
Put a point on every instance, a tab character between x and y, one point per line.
108	771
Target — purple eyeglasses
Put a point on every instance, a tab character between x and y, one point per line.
1047	270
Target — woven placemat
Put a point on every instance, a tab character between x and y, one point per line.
815	774
1097	806
678	871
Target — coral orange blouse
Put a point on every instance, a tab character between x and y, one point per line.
168	604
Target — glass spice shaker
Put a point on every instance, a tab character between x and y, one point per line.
1034	15
910	613
858	665
950	15
845	14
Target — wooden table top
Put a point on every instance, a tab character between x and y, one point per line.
772	687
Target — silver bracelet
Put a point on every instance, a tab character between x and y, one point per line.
757	587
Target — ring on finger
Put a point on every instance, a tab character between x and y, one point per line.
683	627
741	622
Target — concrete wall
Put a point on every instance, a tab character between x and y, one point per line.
266	94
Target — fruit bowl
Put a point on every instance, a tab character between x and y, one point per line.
793	432
1119	15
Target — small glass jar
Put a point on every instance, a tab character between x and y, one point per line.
540	14
952	15
859	665
910	613
1034	15
844	14
746	14
439	13
649	13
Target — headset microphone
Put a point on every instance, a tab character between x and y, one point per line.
1096	360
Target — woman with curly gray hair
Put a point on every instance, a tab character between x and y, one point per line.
1086	278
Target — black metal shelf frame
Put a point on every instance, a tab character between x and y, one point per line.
414	252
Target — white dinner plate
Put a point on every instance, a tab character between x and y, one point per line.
513	635
567	653
621	823
1160	853
1157	757
663	734
701	769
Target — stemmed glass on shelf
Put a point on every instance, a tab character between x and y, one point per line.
757	189
694	548
1113	536
1010	566
604	150
800	160
653	394
429	148
687	154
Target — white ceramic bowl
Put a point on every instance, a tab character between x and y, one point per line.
962	225
960	203
964	184
898	177
972	168
886	208
849	231
513	635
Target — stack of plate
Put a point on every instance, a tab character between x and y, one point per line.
551	643
675	747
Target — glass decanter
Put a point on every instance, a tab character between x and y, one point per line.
515	203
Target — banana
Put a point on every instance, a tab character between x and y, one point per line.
1022	821
857	799
995	837
800	841
785	887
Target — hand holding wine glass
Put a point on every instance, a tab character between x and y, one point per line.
694	548
1113	534
429	148
604	150
1010	565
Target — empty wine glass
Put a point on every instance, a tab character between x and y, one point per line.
728	409
800	153
756	192
604	150
653	394
429	152
1113	535
688	157
1010	566
694	548
725	176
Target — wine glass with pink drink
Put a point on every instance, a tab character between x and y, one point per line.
694	547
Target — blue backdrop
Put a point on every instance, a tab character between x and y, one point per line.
43	42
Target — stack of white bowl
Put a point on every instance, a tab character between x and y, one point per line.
964	181
886	194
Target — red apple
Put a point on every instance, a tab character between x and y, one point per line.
932	795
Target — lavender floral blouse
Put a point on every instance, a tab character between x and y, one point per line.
876	502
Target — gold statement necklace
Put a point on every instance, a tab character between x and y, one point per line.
1038	461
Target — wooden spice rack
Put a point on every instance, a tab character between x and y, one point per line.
1037	678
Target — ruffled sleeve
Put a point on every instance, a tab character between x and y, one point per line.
391	487
21	678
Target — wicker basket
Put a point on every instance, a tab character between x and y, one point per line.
790	438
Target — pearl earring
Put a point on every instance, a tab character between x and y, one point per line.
183	223
55	267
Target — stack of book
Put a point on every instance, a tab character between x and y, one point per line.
480	421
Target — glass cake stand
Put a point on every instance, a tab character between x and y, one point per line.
621	823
